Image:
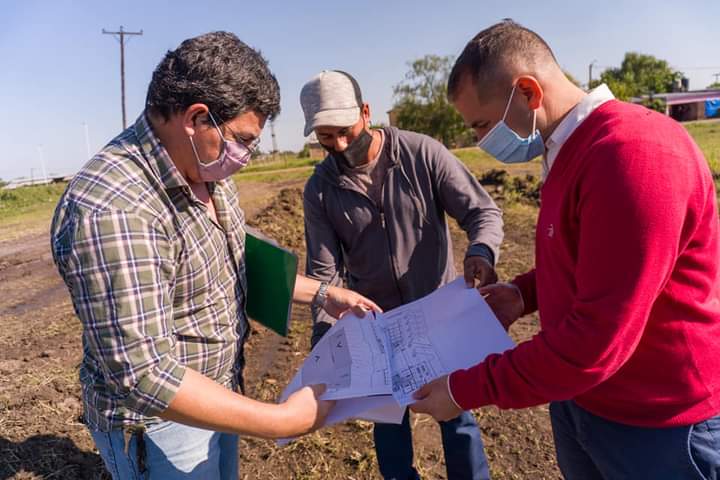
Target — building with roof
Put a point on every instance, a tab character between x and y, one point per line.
687	106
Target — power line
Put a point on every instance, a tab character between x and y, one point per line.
122	33
698	68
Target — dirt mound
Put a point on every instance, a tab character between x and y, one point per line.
504	187
282	220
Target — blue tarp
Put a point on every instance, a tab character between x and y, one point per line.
712	108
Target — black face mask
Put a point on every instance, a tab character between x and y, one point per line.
356	153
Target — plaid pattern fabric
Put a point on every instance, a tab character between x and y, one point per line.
158	286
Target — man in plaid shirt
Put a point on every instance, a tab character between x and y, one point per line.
149	239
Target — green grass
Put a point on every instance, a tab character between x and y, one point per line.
282	162
707	135
480	162
272	176
28	202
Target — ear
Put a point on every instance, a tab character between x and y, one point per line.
530	88
365	112
193	116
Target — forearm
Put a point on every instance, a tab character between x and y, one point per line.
202	403
305	289
464	199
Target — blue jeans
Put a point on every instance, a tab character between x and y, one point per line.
589	447
169	451
462	443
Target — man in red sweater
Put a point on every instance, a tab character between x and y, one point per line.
626	277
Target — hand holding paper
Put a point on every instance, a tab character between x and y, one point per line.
505	301
380	363
435	399
306	412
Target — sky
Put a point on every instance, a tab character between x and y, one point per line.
59	75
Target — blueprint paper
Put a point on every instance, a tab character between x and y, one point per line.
378	408
373	365
452	328
329	363
349	359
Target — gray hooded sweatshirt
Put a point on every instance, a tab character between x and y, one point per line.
399	251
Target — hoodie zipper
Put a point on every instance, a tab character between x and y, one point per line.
393	268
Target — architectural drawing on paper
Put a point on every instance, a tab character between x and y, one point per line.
413	357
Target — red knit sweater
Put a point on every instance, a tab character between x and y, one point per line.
626	281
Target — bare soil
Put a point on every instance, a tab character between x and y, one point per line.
41	435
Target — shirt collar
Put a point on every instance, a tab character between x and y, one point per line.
572	120
157	156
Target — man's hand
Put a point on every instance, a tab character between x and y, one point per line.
434	399
477	267
304	411
340	300
505	301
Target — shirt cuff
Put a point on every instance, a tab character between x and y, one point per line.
481	250
451	394
156	388
466	388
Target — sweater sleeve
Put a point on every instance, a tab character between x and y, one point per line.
635	204
324	252
526	284
464	199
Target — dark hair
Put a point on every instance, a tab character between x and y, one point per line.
490	52
216	69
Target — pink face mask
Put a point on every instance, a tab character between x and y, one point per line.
233	157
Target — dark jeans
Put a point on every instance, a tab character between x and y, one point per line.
589	448
464	454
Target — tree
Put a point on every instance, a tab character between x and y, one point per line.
305	152
422	105
638	75
714	86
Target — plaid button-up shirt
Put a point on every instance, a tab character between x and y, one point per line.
157	284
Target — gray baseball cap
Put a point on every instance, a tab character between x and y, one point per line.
331	99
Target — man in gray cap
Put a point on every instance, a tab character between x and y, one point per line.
375	217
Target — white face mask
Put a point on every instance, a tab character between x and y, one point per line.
507	146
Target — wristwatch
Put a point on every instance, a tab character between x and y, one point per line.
320	297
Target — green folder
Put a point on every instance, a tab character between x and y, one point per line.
271	272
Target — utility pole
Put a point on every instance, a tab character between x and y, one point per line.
274	141
590	73
717	76
121	38
42	163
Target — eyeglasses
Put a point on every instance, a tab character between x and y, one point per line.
251	145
